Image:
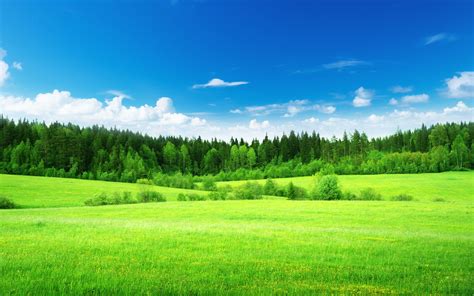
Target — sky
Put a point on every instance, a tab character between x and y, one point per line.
241	69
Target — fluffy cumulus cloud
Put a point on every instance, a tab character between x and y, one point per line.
254	124
4	74
363	97
62	106
460	86
413	99
216	82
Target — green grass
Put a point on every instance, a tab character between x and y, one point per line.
450	186
28	191
258	247
239	247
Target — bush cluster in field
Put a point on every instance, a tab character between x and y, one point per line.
117	198
6	203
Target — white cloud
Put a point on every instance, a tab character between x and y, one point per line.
236	111
339	65
363	97
18	66
288	109
311	120
422	98
459	108
254	124
375	118
326	109
401	89
216	82
62	106
438	38
461	86
4	74
118	93
393	102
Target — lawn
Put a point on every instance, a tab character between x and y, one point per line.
450	186
29	191
235	247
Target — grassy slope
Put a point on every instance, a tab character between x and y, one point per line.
233	247
451	186
28	191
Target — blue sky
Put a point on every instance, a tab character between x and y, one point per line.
277	65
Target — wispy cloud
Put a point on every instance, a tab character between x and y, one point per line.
438	38
397	89
342	64
18	66
288	109
216	82
413	99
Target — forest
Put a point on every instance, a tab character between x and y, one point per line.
67	150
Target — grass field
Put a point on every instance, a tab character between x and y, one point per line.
29	191
450	186
258	247
233	247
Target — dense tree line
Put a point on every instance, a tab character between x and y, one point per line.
67	150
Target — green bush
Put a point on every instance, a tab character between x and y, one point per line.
349	196
294	192
270	188
249	190
369	194
218	195
6	203
195	197
208	184
181	197
144	182
98	200
439	199
150	196
402	197
327	188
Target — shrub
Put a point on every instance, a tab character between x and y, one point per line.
181	197
369	194
270	188
349	196
218	195
249	190
402	197
150	196
195	197
327	188
144	181
438	199
98	200
6	203
209	184
294	192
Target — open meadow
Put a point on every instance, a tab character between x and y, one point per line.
235	247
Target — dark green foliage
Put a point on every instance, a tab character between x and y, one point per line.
249	190
369	194
195	197
402	197
270	188
295	192
209	184
150	196
349	196
66	150
114	198
218	195
6	203
327	188
144	182
181	197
